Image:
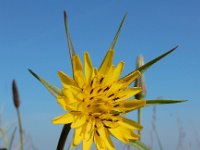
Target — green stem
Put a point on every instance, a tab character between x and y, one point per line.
139	121
63	136
12	139
158	138
20	129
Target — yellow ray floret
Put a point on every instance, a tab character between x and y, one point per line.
95	101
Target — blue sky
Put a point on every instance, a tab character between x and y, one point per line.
32	35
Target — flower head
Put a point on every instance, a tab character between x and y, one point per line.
96	100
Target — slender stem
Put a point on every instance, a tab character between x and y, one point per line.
12	139
20	129
158	138
139	121
63	137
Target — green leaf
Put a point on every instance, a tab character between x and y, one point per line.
150	63
70	45
118	32
160	101
51	88
138	145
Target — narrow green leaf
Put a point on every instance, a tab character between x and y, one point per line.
118	32
150	63
70	45
160	101
138	145
51	88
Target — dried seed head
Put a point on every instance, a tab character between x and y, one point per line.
140	82
15	94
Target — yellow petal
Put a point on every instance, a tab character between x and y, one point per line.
77	136
123	134
113	74
130	124
89	71
107	62
78	72
79	120
64	119
66	80
88	142
104	135
117	72
125	94
98	141
129	105
130	78
73	93
89	129
65	103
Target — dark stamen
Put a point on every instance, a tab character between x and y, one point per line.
88	105
111	95
91	83
83	100
101	80
116	105
91	98
91	91
106	126
106	89
115	114
109	120
99	90
116	98
97	133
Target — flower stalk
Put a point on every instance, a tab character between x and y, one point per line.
16	101
140	82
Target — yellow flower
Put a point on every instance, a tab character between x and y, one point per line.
95	101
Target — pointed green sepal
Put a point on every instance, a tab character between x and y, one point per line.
70	45
161	102
55	91
138	145
150	63
118	32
